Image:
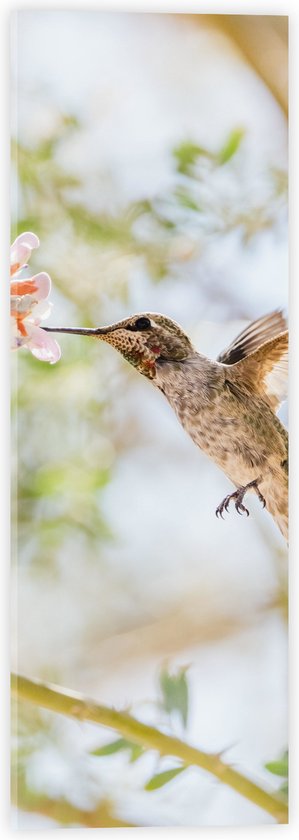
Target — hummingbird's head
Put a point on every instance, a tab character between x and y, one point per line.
143	340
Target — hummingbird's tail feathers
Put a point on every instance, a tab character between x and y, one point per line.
256	334
265	371
275	491
280	514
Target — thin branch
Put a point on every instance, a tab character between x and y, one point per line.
264	41
72	704
67	814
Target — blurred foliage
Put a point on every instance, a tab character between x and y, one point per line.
164	231
280	767
38	731
120	744
174	688
174	698
161	779
187	154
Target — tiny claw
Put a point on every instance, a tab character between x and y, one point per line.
238	497
224	506
254	485
241	508
261	498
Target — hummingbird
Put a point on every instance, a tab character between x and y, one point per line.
227	406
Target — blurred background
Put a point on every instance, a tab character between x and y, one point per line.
150	157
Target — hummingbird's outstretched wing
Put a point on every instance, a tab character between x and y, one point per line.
256	334
265	371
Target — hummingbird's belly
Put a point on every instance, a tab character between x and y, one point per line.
243	444
225	443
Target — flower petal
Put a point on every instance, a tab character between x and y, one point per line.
27	238
23	273
40	311
42	345
21	249
18	258
39	286
29	302
21	305
17	339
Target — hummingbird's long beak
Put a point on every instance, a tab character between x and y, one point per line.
79	330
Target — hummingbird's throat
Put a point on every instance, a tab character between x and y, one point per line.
143	360
148	368
136	350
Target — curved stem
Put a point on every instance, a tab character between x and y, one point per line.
72	704
67	814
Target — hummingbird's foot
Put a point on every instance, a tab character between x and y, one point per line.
238	497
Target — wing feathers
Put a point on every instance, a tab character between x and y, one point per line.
265	370
256	334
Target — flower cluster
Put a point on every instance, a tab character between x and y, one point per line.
29	302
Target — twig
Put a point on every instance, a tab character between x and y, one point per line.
72	704
67	814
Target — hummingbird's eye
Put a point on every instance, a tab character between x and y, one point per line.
141	324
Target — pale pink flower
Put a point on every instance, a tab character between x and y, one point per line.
29	302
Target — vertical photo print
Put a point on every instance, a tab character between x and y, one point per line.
149	298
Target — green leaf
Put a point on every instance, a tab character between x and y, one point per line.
284	791
174	689
116	746
231	146
163	778
136	752
113	747
185	199
278	768
186	155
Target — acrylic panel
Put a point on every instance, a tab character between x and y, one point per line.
149	230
